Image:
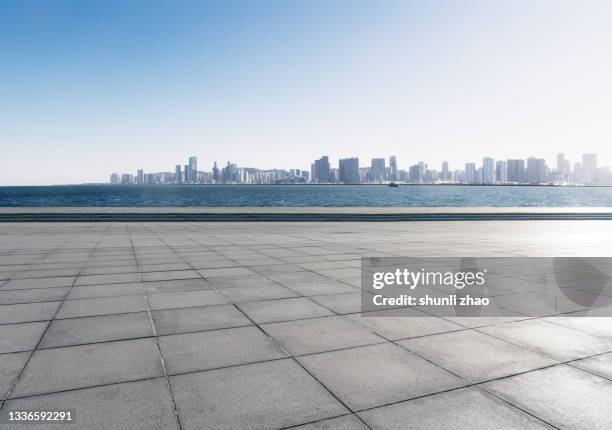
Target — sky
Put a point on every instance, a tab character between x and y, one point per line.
88	88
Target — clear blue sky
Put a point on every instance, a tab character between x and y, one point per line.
88	88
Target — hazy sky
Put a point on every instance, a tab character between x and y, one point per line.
88	88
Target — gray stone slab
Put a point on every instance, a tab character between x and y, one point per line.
600	365
218	348
178	285
264	395
141	405
283	310
26	284
33	296
371	376
170	275
557	342
108	290
598	326
320	334
261	293
59	369
27	312
462	353
175	321
344	303
463	409
320	287
117	278
104	270
403	327
101	306
10	367
228	271
562	396
104	328
345	422
20	337
186	299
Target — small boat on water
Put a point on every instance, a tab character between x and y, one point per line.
393	185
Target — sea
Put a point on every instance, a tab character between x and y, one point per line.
303	196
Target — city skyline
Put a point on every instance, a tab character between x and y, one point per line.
531	170
88	86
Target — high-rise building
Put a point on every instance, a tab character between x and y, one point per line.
379	172
177	174
516	171
393	166
114	179
193	170
501	171
536	170
126	179
185	178
470	173
321	172
140	177
215	173
445	172
348	170
589	168
488	171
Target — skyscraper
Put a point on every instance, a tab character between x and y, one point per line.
177	174
501	171
140	177
470	173
516	171
215	173
193	170
589	168
488	171
348	170
415	174
536	170
445	173
185	173
393	166
321	172
379	171
114	179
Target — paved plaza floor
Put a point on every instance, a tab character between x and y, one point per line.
258	325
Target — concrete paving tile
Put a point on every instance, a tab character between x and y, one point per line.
462	353
101	306
175	321
186	299
141	405
89	365
218	348
344	303
600	365
283	310
104	328
20	337
320	288
10	367
465	408
557	342
562	396
320	334
28	312
103	270
403	327
108	290
163	267
46	274
371	376
345	422
116	278
250	294
33	296
26	284
256	281
228	271
264	395
170	275
598	326
177	285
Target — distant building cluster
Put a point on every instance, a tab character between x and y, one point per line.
533	171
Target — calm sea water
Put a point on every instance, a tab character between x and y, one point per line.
301	195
